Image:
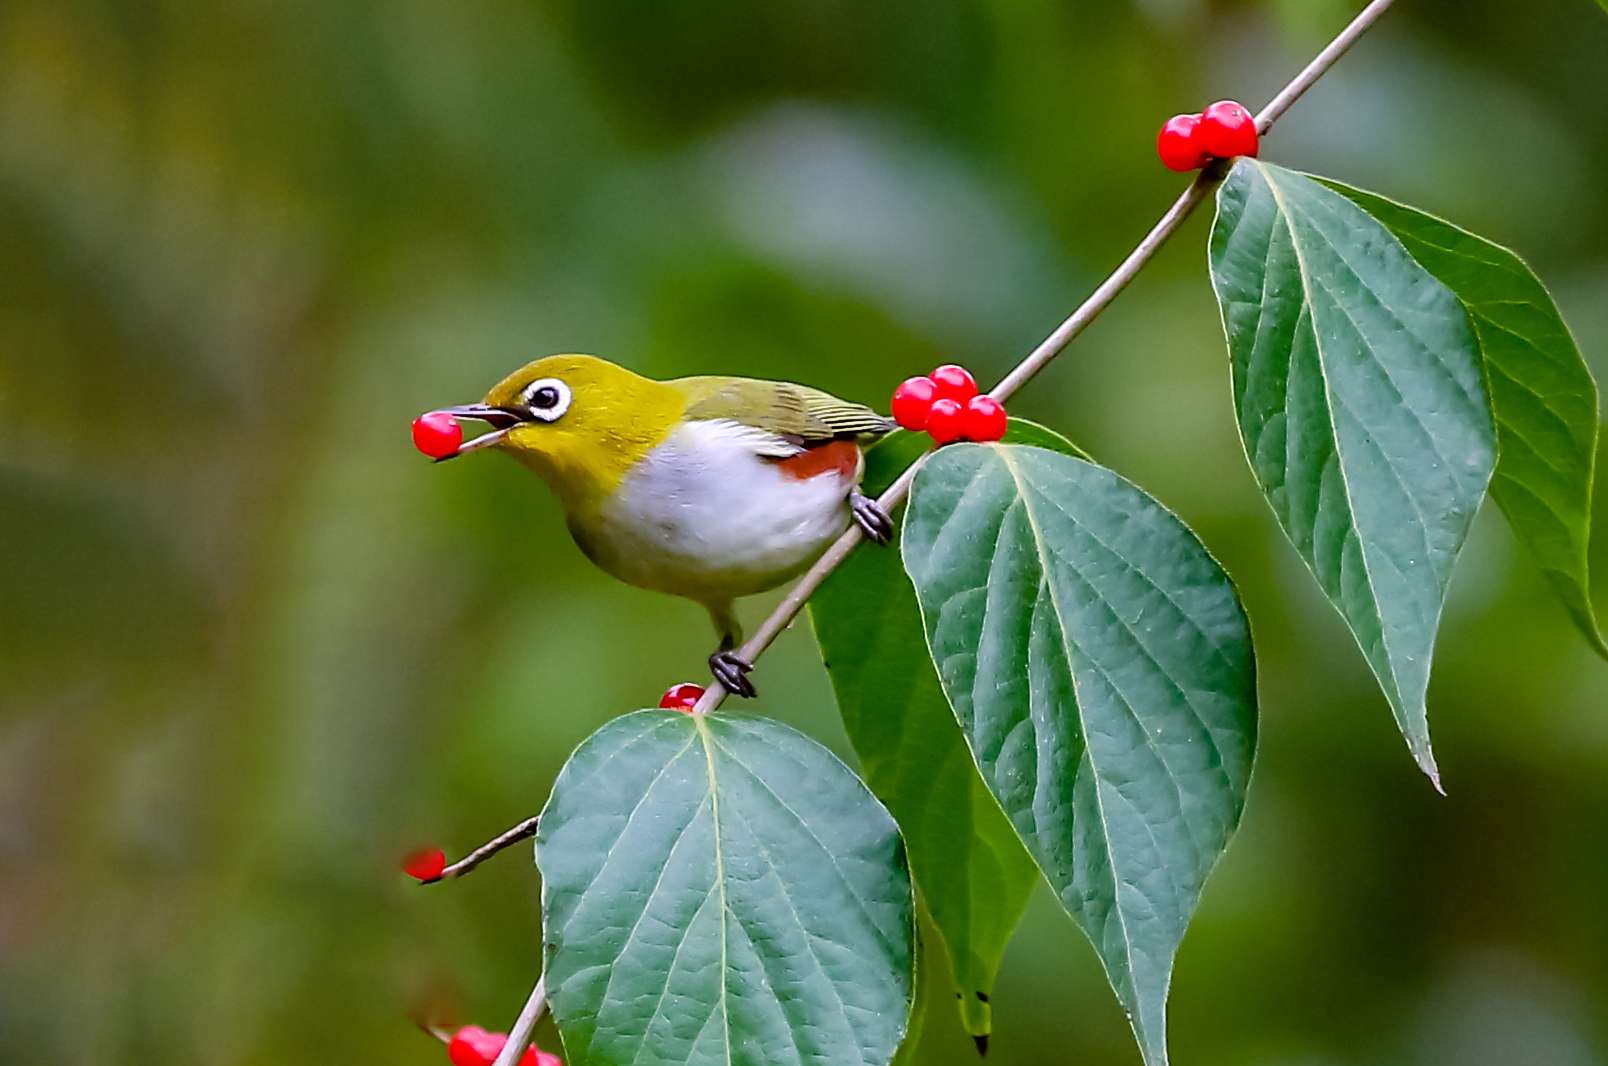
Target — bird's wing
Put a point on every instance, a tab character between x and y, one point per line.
794	413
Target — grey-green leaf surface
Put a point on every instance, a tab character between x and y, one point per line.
1360	400
722	891
1542	393
973	873
1100	665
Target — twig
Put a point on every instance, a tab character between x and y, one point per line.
523	831
1056	342
1320	64
519	1035
1208	179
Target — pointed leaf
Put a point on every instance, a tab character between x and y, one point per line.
1100	665
973	873
721	891
1357	385
1542	393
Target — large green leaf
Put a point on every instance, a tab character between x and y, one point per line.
974	874
1542	393
1100	666
1357	385
722	891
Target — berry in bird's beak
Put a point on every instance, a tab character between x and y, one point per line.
501	419
437	434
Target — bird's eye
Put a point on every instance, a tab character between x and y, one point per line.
547	399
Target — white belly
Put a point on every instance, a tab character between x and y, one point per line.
704	516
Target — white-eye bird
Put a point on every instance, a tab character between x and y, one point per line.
711	488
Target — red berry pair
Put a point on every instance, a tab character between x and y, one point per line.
1222	131
946	404
473	1046
683	697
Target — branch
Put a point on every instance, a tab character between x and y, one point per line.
523	831
1056	342
519	1035
1036	360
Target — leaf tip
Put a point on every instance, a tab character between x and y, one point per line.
1426	763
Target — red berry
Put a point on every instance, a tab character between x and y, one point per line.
1227	130
984	419
682	697
473	1046
943	421
954	383
911	400
437	434
425	864
1178	144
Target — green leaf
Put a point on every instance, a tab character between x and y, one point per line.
1100	665
722	891
1357	385
922	996
974	874
1542	393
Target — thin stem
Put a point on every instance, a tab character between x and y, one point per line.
1320	64
1120	278
1191	198
519	1035
523	831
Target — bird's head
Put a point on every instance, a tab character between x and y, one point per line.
579	421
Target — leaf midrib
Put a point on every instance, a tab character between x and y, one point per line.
1083	725
701	724
1328	396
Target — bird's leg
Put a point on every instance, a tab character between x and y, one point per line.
729	668
869	515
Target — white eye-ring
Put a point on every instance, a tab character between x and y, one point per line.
547	399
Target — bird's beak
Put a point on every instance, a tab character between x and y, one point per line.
500	419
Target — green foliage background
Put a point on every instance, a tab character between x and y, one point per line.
252	647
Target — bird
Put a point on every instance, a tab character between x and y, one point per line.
710	488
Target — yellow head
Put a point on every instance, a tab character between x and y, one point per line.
579	421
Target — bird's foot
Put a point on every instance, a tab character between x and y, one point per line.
731	670
875	522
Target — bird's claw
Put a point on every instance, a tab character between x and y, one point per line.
869	515
731	670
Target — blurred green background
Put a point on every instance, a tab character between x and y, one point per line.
253	647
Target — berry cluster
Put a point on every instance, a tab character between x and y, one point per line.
437	434
947	405
473	1046
1222	131
682	697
